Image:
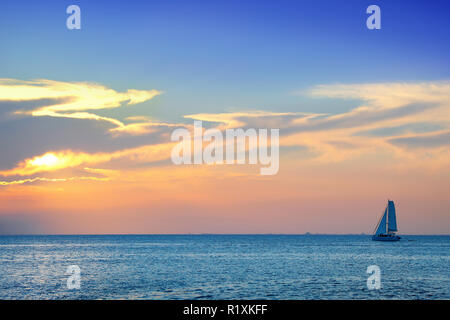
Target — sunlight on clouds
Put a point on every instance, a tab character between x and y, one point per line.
336	137
76	97
238	119
30	180
386	95
47	160
53	161
329	138
141	128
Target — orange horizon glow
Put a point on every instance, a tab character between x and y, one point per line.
336	170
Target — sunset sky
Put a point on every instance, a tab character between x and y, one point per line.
86	115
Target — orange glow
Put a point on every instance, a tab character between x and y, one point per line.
47	160
333	176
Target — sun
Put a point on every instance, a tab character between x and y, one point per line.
47	160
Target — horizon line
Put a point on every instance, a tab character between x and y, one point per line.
209	234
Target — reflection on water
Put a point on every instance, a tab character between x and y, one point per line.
223	267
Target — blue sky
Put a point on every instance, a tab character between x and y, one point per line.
222	55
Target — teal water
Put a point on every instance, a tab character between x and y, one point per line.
223	267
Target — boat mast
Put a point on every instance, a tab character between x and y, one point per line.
387	219
379	221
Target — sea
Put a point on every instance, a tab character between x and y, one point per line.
223	267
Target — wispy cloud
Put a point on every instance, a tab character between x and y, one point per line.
55	161
30	180
71	99
384	107
388	124
424	141
255	118
146	127
395	111
385	95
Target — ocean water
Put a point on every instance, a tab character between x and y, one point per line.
223	267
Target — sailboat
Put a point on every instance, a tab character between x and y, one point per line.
387	225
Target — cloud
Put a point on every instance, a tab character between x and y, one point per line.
386	95
359	118
70	99
141	128
391	122
254	119
405	107
22	223
59	160
427	141
408	128
30	180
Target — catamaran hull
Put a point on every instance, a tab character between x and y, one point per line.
392	238
387	226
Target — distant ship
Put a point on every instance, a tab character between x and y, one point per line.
387	226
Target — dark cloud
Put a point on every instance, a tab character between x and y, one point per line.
422	127
23	138
22	223
360	118
433	141
7	108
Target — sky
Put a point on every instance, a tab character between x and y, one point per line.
86	115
